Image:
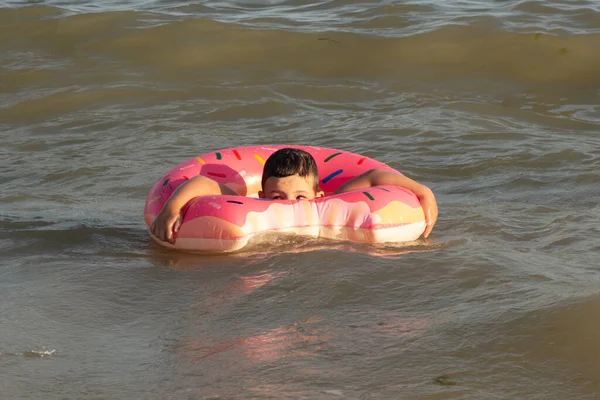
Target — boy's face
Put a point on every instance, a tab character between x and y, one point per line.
292	187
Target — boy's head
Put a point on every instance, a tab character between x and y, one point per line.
290	174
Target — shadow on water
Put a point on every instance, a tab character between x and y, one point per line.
267	246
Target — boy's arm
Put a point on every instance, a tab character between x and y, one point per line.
168	220
376	177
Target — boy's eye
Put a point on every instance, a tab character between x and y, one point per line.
276	197
300	197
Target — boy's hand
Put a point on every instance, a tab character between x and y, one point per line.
166	225
376	177
430	208
168	221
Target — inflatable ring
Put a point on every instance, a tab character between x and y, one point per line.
222	223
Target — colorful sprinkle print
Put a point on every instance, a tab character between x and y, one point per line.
225	223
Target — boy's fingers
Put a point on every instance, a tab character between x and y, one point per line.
160	233
155	229
427	231
169	235
429	222
173	229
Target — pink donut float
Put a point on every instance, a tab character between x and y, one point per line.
225	223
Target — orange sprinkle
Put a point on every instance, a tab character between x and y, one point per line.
200	160
152	200
259	158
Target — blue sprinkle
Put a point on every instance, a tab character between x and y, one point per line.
332	175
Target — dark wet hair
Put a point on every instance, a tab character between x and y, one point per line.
287	162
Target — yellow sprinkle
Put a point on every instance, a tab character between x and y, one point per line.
200	160
259	158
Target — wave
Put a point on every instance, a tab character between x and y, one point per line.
140	43
19	236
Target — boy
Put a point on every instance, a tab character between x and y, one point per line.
288	174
